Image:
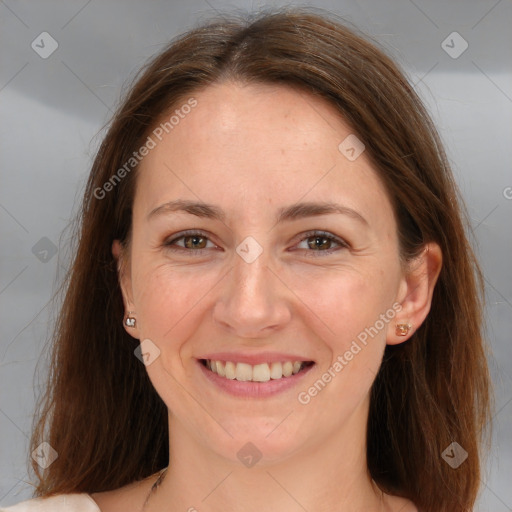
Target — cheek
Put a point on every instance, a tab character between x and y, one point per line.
343	302
167	298
336	304
351	313
168	302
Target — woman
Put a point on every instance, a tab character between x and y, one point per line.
272	291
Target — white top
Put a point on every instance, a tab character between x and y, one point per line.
77	502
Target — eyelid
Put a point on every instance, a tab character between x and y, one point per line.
325	234
302	237
183	234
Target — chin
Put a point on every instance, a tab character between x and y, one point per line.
258	441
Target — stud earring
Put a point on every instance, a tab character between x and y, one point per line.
130	320
402	329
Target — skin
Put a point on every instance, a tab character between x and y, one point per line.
250	150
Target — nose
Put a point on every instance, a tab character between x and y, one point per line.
253	302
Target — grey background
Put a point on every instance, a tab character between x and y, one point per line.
52	112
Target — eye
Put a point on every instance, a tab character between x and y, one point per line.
322	242
194	242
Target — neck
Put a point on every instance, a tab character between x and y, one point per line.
330	476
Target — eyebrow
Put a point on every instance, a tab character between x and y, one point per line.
288	213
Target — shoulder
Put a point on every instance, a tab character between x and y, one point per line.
78	502
129	498
125	499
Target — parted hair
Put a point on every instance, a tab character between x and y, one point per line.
99	410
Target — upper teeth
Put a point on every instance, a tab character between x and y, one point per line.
257	373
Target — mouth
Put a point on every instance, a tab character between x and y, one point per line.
258	373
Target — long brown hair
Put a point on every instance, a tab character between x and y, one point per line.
100	411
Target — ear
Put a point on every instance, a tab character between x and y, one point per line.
125	282
415	292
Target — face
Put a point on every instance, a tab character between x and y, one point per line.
266	275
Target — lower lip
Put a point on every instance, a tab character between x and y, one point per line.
249	389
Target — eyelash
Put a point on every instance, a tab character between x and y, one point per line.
310	234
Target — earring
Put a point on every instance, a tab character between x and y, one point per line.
402	329
130	320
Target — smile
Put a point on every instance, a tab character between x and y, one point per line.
255	373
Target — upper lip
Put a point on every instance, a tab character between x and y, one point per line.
253	359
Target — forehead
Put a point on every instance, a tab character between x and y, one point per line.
246	146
